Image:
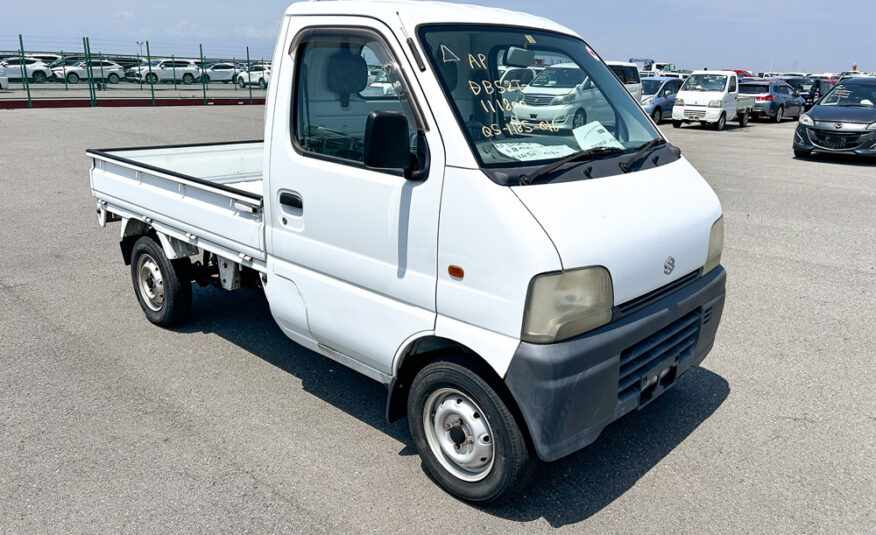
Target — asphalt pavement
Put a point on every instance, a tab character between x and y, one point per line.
109	424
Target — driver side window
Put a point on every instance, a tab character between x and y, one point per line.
340	79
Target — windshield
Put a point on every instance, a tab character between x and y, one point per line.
851	95
650	87
574	104
705	82
754	89
800	84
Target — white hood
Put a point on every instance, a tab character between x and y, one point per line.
629	223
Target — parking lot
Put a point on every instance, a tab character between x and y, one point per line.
110	424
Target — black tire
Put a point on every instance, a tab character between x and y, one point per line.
743	119
657	116
240	82
72	78
113	78
721	122
676	124
174	282
802	153
152	78
779	114
512	462
580	118
263	84
39	77
188	79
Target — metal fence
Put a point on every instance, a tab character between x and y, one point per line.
63	69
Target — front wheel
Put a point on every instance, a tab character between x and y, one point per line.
188	79
152	78
580	119
657	116
466	434
240	83
676	124
163	286
72	78
722	122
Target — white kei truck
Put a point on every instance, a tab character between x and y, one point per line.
516	286
713	98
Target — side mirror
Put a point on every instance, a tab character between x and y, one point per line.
386	141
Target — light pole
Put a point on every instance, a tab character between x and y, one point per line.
140	44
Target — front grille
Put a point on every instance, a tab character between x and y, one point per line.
694	114
538	100
675	342
835	140
642	301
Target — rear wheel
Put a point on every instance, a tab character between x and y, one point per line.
467	436
263	84
206	78
187	79
163	286
113	78
743	118
779	113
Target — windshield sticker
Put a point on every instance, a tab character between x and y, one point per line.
533	151
447	55
593	134
530	39
591	52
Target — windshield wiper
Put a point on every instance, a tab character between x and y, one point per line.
640	153
576	157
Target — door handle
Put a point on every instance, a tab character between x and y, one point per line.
291	200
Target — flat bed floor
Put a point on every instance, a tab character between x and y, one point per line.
109	424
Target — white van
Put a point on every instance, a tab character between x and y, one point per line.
515	286
628	74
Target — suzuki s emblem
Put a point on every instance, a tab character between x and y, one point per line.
838	126
669	265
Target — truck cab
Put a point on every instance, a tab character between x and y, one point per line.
516	282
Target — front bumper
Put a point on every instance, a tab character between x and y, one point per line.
862	143
570	391
696	113
561	116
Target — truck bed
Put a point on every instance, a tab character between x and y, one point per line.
208	195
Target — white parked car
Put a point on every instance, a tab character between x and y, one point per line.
36	69
562	96
220	72
168	70
259	75
712	97
100	70
628	74
515	288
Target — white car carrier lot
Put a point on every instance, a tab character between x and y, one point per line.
549	287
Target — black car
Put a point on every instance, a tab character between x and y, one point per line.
819	88
842	122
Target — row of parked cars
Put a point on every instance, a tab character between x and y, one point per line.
73	69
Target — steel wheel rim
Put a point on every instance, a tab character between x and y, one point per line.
459	434
150	282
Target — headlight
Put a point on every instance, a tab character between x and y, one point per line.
647	101
715	104
565	99
563	305
805	120
716	245
679	102
872	126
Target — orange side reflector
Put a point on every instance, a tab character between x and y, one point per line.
456	272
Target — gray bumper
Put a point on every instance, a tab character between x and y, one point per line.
570	391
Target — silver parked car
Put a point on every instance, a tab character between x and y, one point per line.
221	72
774	100
658	96
168	70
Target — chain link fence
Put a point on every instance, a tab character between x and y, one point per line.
101	71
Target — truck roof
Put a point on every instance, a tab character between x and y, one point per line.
426	12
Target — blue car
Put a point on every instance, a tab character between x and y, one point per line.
842	122
658	96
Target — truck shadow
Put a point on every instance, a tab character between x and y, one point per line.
564	492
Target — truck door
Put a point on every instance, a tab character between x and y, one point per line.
360	244
730	100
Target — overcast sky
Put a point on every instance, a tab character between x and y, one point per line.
781	35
